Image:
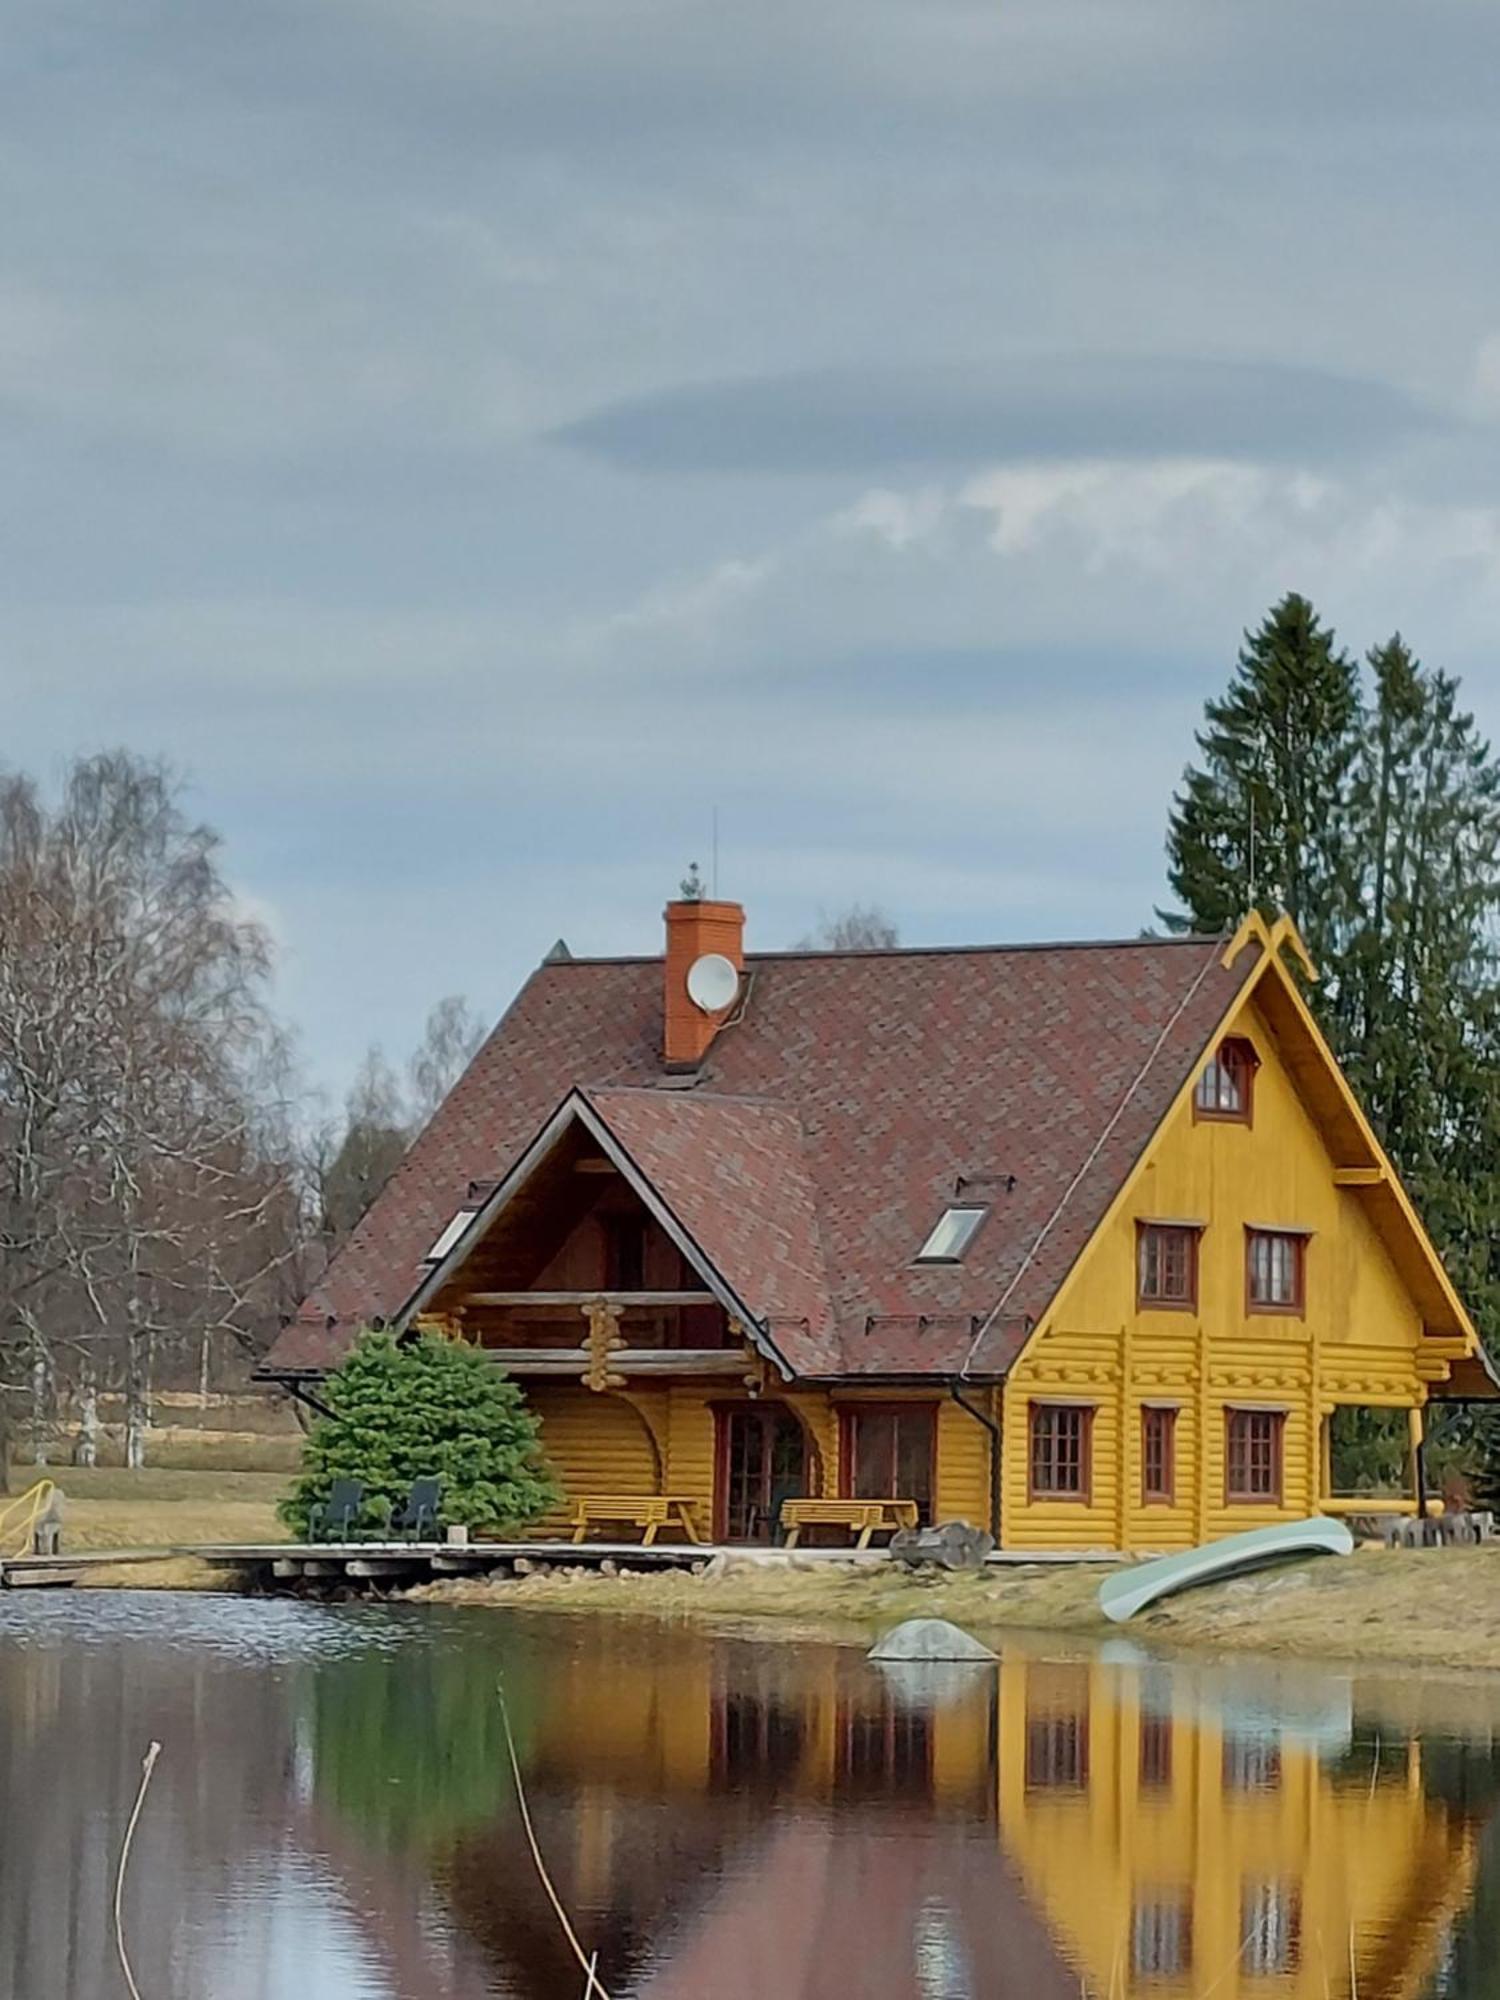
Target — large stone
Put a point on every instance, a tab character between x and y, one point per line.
930	1639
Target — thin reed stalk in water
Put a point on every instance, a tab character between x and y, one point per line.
588	1965
148	1765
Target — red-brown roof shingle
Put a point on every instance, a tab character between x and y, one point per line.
857	1096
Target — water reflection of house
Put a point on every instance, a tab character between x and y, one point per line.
1055	1827
1175	1852
755	1781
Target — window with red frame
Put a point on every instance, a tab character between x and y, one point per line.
1227	1085
1275	1270
1158	1455
1060	1439
1167	1265
1253	1454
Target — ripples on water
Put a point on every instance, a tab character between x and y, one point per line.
333	1817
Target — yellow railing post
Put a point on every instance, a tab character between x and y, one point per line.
29	1507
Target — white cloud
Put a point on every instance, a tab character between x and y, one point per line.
900	520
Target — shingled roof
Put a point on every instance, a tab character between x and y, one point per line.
854	1098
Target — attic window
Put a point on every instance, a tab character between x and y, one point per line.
450	1236
952	1236
1227	1083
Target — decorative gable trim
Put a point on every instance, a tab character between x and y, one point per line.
575	1109
1370	1175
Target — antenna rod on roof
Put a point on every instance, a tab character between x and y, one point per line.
714	870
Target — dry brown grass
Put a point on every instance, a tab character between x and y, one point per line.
162	1508
1437	1607
796	1598
191	1448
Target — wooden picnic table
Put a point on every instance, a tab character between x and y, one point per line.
650	1512
860	1517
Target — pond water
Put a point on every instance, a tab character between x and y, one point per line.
334	1818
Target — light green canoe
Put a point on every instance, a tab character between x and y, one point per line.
1130	1590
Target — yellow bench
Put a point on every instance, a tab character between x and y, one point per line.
860	1517
649	1512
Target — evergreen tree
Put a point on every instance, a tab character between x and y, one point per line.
427	1408
1377	825
1423	1046
1261	817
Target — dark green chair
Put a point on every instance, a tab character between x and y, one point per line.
417	1518
337	1518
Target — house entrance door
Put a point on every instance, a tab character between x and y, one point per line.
762	1461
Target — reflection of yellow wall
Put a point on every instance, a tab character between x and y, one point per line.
1359	1341
1376	1863
658	1735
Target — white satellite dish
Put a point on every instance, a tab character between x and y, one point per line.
712	982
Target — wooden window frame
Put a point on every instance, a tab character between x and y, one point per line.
1296	1307
1166	1494
1277	1496
1255	1890
1150	1301
1155	1753
1042	1736
1237	1054
849	1415
896	1730
723	1409
1238	1750
1085	1412
1180	1904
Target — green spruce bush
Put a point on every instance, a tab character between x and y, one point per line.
426	1408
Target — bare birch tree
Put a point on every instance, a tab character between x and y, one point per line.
142	1202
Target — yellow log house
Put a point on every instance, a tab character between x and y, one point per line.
1084	1244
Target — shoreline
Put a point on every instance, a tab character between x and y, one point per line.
1429	1609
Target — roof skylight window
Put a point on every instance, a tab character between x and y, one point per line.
450	1236
952	1236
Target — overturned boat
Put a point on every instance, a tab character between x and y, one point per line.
1131	1590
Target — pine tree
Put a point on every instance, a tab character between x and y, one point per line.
1423	1045
1377	826
1259	820
428	1408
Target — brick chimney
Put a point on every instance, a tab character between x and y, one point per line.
695	930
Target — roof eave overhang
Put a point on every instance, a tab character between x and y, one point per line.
1479	1357
576	1109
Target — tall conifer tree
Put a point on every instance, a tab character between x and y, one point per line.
1259	819
1422	1041
1377	826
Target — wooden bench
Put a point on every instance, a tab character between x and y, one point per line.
650	1512
860	1517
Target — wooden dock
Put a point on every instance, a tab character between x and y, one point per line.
369	1565
56	1572
281	1566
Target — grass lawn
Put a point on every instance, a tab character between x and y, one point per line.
105	1507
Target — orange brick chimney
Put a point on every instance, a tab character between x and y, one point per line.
697	930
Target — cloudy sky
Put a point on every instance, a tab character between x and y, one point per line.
475	440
